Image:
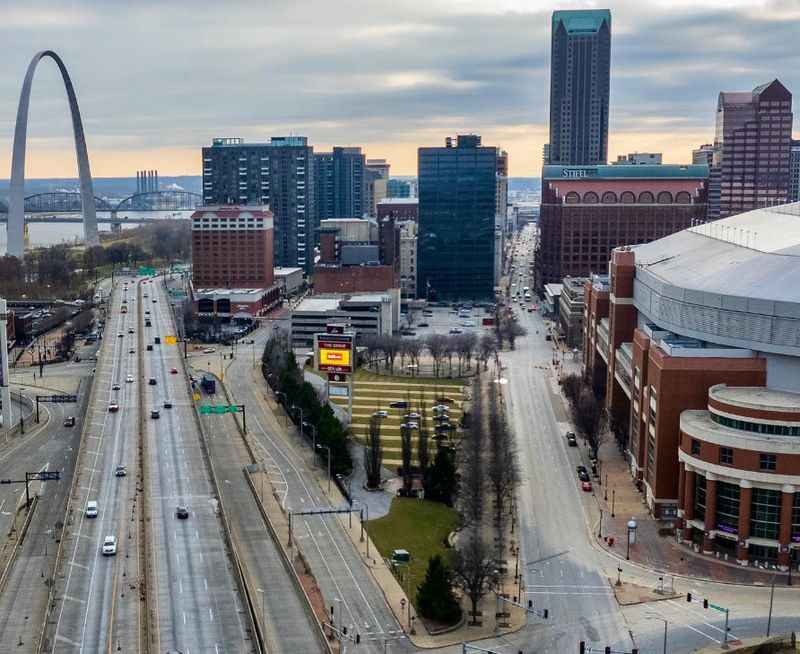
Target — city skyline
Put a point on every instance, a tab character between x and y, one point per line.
389	80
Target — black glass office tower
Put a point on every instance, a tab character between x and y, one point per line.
580	71
455	243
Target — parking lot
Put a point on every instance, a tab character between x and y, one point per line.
441	320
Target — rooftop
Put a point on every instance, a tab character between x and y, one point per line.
279	270
582	20
399	201
757	397
754	254
627	171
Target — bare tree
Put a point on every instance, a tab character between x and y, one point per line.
589	418
403	352
474	570
450	348
471	499
486	348
414	348
619	421
391	346
469	345
436	344
512	329
373	453
406	451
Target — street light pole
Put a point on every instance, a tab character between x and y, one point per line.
325	447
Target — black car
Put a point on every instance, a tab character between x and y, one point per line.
571	440
423	324
583	475
152	381
398	405
182	512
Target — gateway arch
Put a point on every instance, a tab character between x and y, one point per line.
16	208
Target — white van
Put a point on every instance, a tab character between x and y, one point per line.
91	509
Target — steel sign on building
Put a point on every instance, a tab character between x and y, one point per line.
335	352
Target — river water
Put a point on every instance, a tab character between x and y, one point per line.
41	234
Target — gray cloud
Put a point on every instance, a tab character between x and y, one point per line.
152	74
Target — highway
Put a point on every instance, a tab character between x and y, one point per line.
196	600
97	607
338	568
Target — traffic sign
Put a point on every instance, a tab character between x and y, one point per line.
147	271
58	398
48	475
208	409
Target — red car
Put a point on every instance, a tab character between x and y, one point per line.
174	371
586	486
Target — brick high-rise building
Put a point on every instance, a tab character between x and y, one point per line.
752	143
278	173
232	247
580	72
587	211
696	339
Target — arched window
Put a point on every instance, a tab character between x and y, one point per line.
683	197
646	197
609	197
572	198
665	197
590	198
627	197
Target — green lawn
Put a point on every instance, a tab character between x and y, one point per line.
419	526
362	374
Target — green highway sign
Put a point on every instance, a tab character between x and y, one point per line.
147	271
721	609
208	409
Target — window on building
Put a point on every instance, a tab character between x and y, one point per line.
590	198
728	507
695	446
765	513
726	455
796	518
627	198
646	197
767	461
683	197
700	497
572	198
665	197
609	197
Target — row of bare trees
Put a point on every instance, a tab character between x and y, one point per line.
443	350
487	455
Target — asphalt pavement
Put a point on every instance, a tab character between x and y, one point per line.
197	600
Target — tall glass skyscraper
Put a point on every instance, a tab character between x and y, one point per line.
456	241
580	71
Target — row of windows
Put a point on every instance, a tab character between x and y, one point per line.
757	427
628	197
765	461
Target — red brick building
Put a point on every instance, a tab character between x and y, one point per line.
232	247
587	211
696	339
400	209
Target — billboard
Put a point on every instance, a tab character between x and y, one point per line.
335	352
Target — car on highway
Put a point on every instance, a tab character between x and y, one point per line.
152	381
423	324
147	313
132	351
113	407
69	421
91	509
130	330
109	546
455	330
120	335
173	371
167	404
129	379
115	387
586	486
181	512
571	440
154	414
154	300
120	471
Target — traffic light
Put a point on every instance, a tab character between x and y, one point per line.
705	603
688	597
582	648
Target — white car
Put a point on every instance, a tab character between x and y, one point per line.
208	350
381	414
109	546
129	379
115	387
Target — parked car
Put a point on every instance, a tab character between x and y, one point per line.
571	440
398	405
583	475
381	414
423	324
586	486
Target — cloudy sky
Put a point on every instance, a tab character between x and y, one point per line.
157	80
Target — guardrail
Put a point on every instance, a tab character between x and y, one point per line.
18	544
